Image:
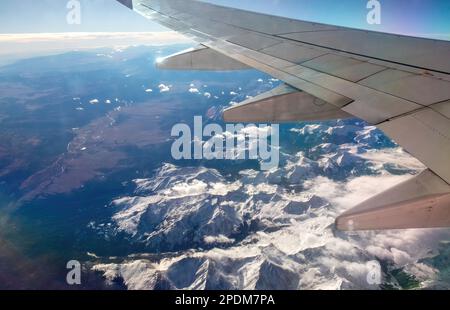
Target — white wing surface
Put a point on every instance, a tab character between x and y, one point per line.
400	84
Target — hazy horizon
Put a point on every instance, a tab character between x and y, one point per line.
420	18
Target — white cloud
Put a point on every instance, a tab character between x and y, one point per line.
393	156
220	239
254	131
196	187
163	88
194	90
354	191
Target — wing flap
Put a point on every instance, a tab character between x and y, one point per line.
343	67
421	202
420	89
283	104
426	135
370	105
442	108
200	58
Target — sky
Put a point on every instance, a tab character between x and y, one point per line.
415	17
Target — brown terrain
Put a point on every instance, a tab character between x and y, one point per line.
97	148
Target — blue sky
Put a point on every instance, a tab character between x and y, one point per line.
415	17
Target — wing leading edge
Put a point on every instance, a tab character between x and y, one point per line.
400	84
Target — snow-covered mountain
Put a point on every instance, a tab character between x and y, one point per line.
273	229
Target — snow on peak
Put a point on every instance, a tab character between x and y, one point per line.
270	229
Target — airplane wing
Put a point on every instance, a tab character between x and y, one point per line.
400	84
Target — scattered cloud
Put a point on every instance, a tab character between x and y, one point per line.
163	88
220	239
194	90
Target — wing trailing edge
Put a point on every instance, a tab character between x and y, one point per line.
421	202
283	104
200	58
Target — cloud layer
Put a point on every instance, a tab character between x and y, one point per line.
14	46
